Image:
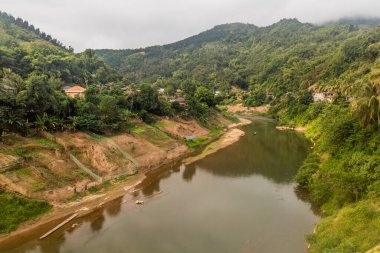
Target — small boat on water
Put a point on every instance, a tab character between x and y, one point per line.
254	133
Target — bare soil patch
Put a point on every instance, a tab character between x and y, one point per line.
241	109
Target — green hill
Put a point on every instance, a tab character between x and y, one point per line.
358	21
278	57
25	50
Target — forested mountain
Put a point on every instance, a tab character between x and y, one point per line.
210	49
357	21
280	57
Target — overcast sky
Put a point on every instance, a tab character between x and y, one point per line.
139	23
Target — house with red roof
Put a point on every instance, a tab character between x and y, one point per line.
75	91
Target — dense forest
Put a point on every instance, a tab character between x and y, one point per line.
282	64
280	58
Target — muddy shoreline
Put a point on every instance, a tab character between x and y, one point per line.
91	203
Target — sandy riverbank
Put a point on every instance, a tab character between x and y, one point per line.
91	203
230	137
298	129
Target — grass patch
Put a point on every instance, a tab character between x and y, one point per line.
162	124
154	135
222	107
46	143
39	186
75	197
104	185
121	178
15	210
194	143
24	172
124	178
231	117
355	228
138	130
215	132
17	152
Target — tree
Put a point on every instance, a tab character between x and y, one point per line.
147	98
204	95
109	109
367	103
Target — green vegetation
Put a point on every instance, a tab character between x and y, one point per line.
231	117
105	185
46	143
15	210
342	175
281	65
282	59
196	142
353	229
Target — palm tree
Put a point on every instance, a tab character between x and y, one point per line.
367	103
42	122
14	121
74	121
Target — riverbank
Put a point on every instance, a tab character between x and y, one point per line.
92	202
298	129
243	183
230	137
340	158
242	109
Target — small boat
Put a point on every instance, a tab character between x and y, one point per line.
254	133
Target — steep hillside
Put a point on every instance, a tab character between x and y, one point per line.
18	25
357	21
280	57
26	50
210	50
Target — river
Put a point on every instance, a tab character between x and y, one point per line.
240	199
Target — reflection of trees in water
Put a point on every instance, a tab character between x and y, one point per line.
48	247
114	208
303	194
151	188
153	183
271	153
53	243
97	224
35	245
189	173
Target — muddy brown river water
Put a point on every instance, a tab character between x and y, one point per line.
241	199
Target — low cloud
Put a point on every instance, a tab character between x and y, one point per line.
139	23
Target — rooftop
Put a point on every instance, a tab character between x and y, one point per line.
75	89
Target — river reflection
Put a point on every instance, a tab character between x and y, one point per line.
273	154
240	199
